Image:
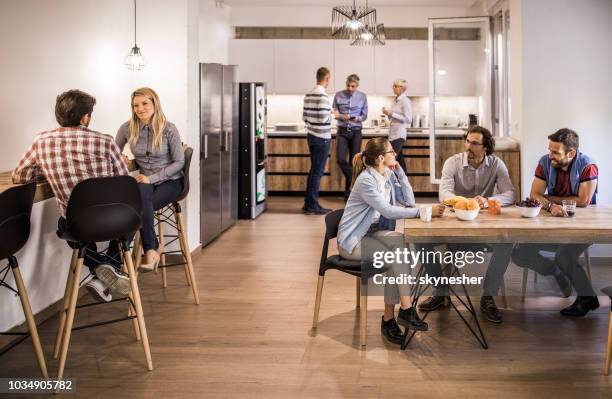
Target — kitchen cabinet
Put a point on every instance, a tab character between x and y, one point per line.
402	59
255	60
457	63
354	59
296	63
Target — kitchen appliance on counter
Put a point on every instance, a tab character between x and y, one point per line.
218	149
253	158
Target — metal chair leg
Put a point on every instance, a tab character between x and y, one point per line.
74	293
315	316
64	310
138	306
187	255
27	311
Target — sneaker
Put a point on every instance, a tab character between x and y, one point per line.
316	211
118	282
489	309
98	290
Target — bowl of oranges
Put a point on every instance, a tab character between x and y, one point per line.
466	209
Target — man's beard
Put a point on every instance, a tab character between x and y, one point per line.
561	163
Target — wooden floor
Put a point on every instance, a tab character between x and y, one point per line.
251	338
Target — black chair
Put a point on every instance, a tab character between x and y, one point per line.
100	209
15	209
335	262
606	371
172	215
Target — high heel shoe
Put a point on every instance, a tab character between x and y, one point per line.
148	267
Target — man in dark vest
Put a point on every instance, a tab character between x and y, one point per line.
564	174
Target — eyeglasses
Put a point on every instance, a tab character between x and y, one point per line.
474	143
390	151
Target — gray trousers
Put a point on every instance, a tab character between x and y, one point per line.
566	258
392	291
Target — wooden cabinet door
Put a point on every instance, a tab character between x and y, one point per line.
296	63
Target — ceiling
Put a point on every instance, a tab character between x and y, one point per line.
372	3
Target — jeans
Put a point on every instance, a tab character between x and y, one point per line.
319	151
155	197
494	275
566	259
347	141
93	259
397	145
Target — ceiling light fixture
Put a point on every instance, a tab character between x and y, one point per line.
349	22
135	60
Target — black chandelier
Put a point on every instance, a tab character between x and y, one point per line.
357	24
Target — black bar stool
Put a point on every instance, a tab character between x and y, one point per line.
15	209
172	216
101	209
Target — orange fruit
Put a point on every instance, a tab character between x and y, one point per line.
472	205
461	205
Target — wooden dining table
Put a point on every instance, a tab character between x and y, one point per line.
590	225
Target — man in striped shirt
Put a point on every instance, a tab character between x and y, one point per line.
66	156
318	117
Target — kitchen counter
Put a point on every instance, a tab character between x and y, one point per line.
43	190
372	132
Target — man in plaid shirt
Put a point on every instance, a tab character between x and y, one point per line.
66	156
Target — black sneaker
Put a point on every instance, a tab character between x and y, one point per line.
489	309
391	331
409	318
432	303
316	211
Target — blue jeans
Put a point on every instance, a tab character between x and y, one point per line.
155	197
348	143
319	151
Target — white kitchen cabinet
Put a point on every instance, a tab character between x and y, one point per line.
296	63
255	60
402	59
354	59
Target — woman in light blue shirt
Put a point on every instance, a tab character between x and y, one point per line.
381	194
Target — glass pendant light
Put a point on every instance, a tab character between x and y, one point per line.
135	61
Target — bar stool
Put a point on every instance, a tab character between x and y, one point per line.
587	261
15	209
172	216
100	209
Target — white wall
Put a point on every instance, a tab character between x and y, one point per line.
314	16
215	31
48	47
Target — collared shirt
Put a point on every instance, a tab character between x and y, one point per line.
160	165
317	113
490	179
401	117
67	156
355	105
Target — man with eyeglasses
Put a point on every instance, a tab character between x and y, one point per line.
477	173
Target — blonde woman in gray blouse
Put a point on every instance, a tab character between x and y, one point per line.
158	152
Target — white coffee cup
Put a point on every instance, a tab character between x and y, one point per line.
425	213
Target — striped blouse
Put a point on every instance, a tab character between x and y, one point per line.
317	113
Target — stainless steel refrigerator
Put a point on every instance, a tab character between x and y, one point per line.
218	149
253	158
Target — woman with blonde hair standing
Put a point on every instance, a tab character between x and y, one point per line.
400	115
158	153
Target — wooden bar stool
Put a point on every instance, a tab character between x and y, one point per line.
99	210
172	216
15	210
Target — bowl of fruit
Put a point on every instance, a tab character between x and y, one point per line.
466	209
530	207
